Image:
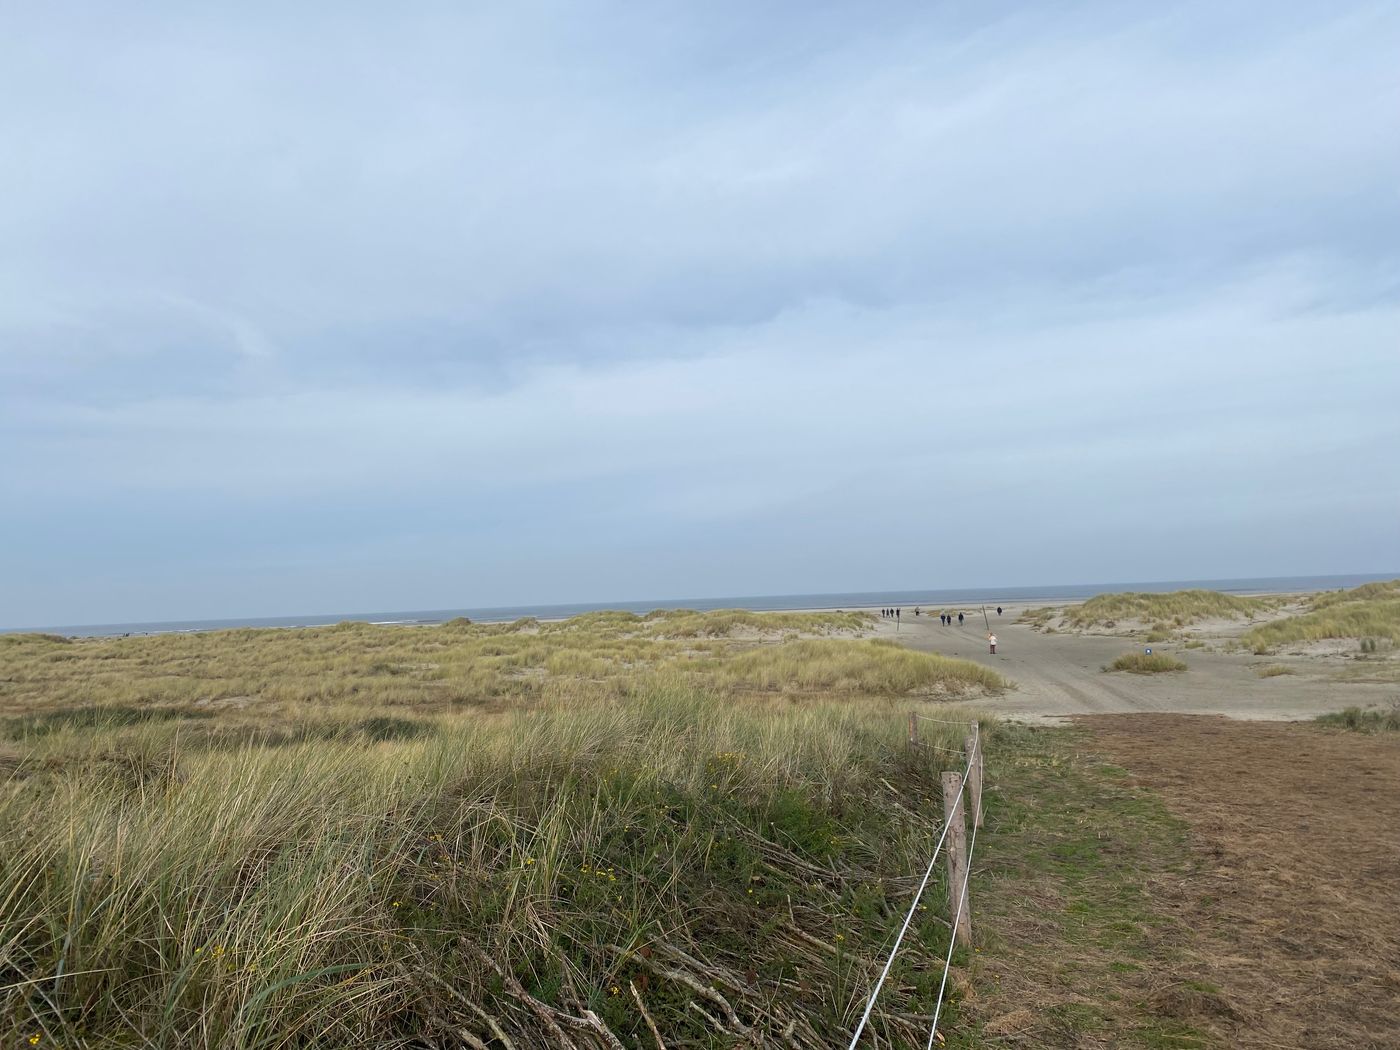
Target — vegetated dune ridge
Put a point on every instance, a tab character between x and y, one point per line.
547	833
1173	609
304	673
1369	614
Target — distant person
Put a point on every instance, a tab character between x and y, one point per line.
960	619
998	610
898	613
992	640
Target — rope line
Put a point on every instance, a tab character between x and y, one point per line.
953	933
944	721
950	750
913	906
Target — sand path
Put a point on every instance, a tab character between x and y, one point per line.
1059	675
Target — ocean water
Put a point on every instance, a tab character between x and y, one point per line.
759	603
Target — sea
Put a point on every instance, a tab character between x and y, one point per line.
935	597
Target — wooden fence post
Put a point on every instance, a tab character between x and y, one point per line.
973	748
955	849
913	729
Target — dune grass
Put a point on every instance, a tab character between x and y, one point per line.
425	668
1273	671
1367	613
465	835
879	668
343	893
1038	619
1164	611
1143	663
1386	720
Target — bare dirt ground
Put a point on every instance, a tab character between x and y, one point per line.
1058	675
1294	896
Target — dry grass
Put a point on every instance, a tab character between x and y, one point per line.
1369	613
1165	611
1273	671
1290	901
1377	721
880	668
1039	619
288	674
1144	663
333	837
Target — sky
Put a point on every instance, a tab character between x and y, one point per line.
344	307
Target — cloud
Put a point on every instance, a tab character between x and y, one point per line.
671	273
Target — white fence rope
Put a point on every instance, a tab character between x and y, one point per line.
952	936
914	905
945	721
949	750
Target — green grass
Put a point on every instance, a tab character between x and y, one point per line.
1068	870
1367	613
1142	663
333	837
1387	720
1164	611
338	892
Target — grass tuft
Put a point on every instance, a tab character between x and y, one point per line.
1364	721
1143	663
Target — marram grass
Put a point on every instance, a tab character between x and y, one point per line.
1371	611
339	870
1145	663
1165	611
445	668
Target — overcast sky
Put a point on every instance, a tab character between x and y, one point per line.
334	307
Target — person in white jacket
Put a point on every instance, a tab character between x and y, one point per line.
992	640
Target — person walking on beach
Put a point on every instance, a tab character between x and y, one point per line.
960	619
998	610
992	641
